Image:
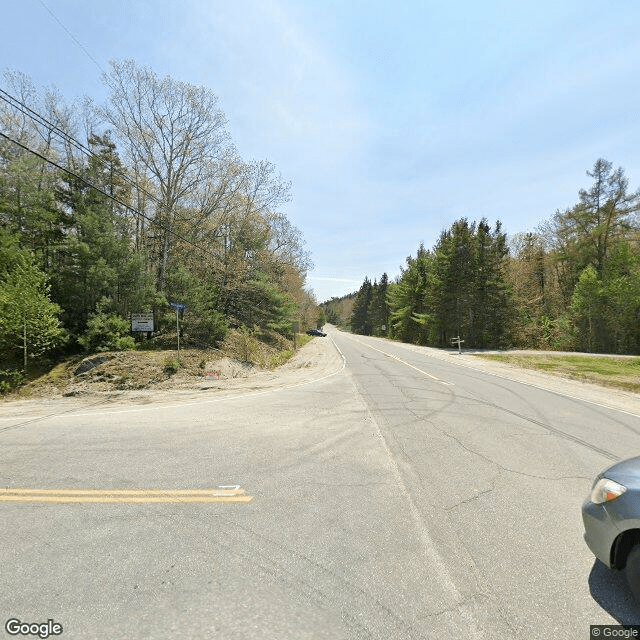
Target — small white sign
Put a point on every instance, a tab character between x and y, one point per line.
142	322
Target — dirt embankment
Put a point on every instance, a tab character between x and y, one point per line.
152	376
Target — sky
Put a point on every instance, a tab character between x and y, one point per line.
391	120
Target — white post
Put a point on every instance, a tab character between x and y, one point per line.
178	330
454	340
24	341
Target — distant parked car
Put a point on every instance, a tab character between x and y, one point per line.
611	518
316	332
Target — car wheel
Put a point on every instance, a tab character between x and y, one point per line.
633	571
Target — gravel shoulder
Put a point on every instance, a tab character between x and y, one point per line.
319	358
216	378
564	385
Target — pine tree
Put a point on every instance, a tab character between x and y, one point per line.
469	296
587	233
360	319
410	316
28	319
97	261
379	308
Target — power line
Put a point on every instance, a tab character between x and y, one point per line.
24	109
204	252
53	15
99	190
13	102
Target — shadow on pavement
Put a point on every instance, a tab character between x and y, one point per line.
609	589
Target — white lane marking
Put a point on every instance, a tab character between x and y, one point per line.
562	394
436	562
506	376
389	355
344	360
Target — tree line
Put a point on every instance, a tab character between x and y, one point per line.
123	207
573	284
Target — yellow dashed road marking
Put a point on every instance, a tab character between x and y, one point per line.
124	495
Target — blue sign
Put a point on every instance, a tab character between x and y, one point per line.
178	306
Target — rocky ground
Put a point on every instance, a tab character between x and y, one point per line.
138	377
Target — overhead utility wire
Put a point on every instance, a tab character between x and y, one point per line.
204	251
55	17
108	195
24	109
13	102
77	42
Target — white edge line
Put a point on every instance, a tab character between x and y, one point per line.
504	376
429	375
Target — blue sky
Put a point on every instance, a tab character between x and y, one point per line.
391	120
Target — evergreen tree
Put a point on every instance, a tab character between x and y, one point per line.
97	260
606	311
587	233
452	285
28	319
469	296
409	312
360	319
379	308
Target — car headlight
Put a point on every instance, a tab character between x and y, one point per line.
606	490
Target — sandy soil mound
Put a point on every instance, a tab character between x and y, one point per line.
150	376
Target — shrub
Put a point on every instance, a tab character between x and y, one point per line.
107	332
247	345
171	366
10	379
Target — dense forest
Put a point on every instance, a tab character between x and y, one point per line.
113	209
574	284
124	207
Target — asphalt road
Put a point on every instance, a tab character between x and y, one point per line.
400	497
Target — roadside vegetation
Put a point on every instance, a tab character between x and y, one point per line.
572	285
125	207
621	373
155	368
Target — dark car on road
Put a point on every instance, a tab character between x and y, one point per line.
611	518
316	332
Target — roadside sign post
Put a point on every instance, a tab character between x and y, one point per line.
458	342
296	329
178	306
142	322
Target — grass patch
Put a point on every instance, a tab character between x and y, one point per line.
302	339
275	360
60	371
608	371
171	365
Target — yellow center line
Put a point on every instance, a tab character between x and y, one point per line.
123	495
160	492
123	499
